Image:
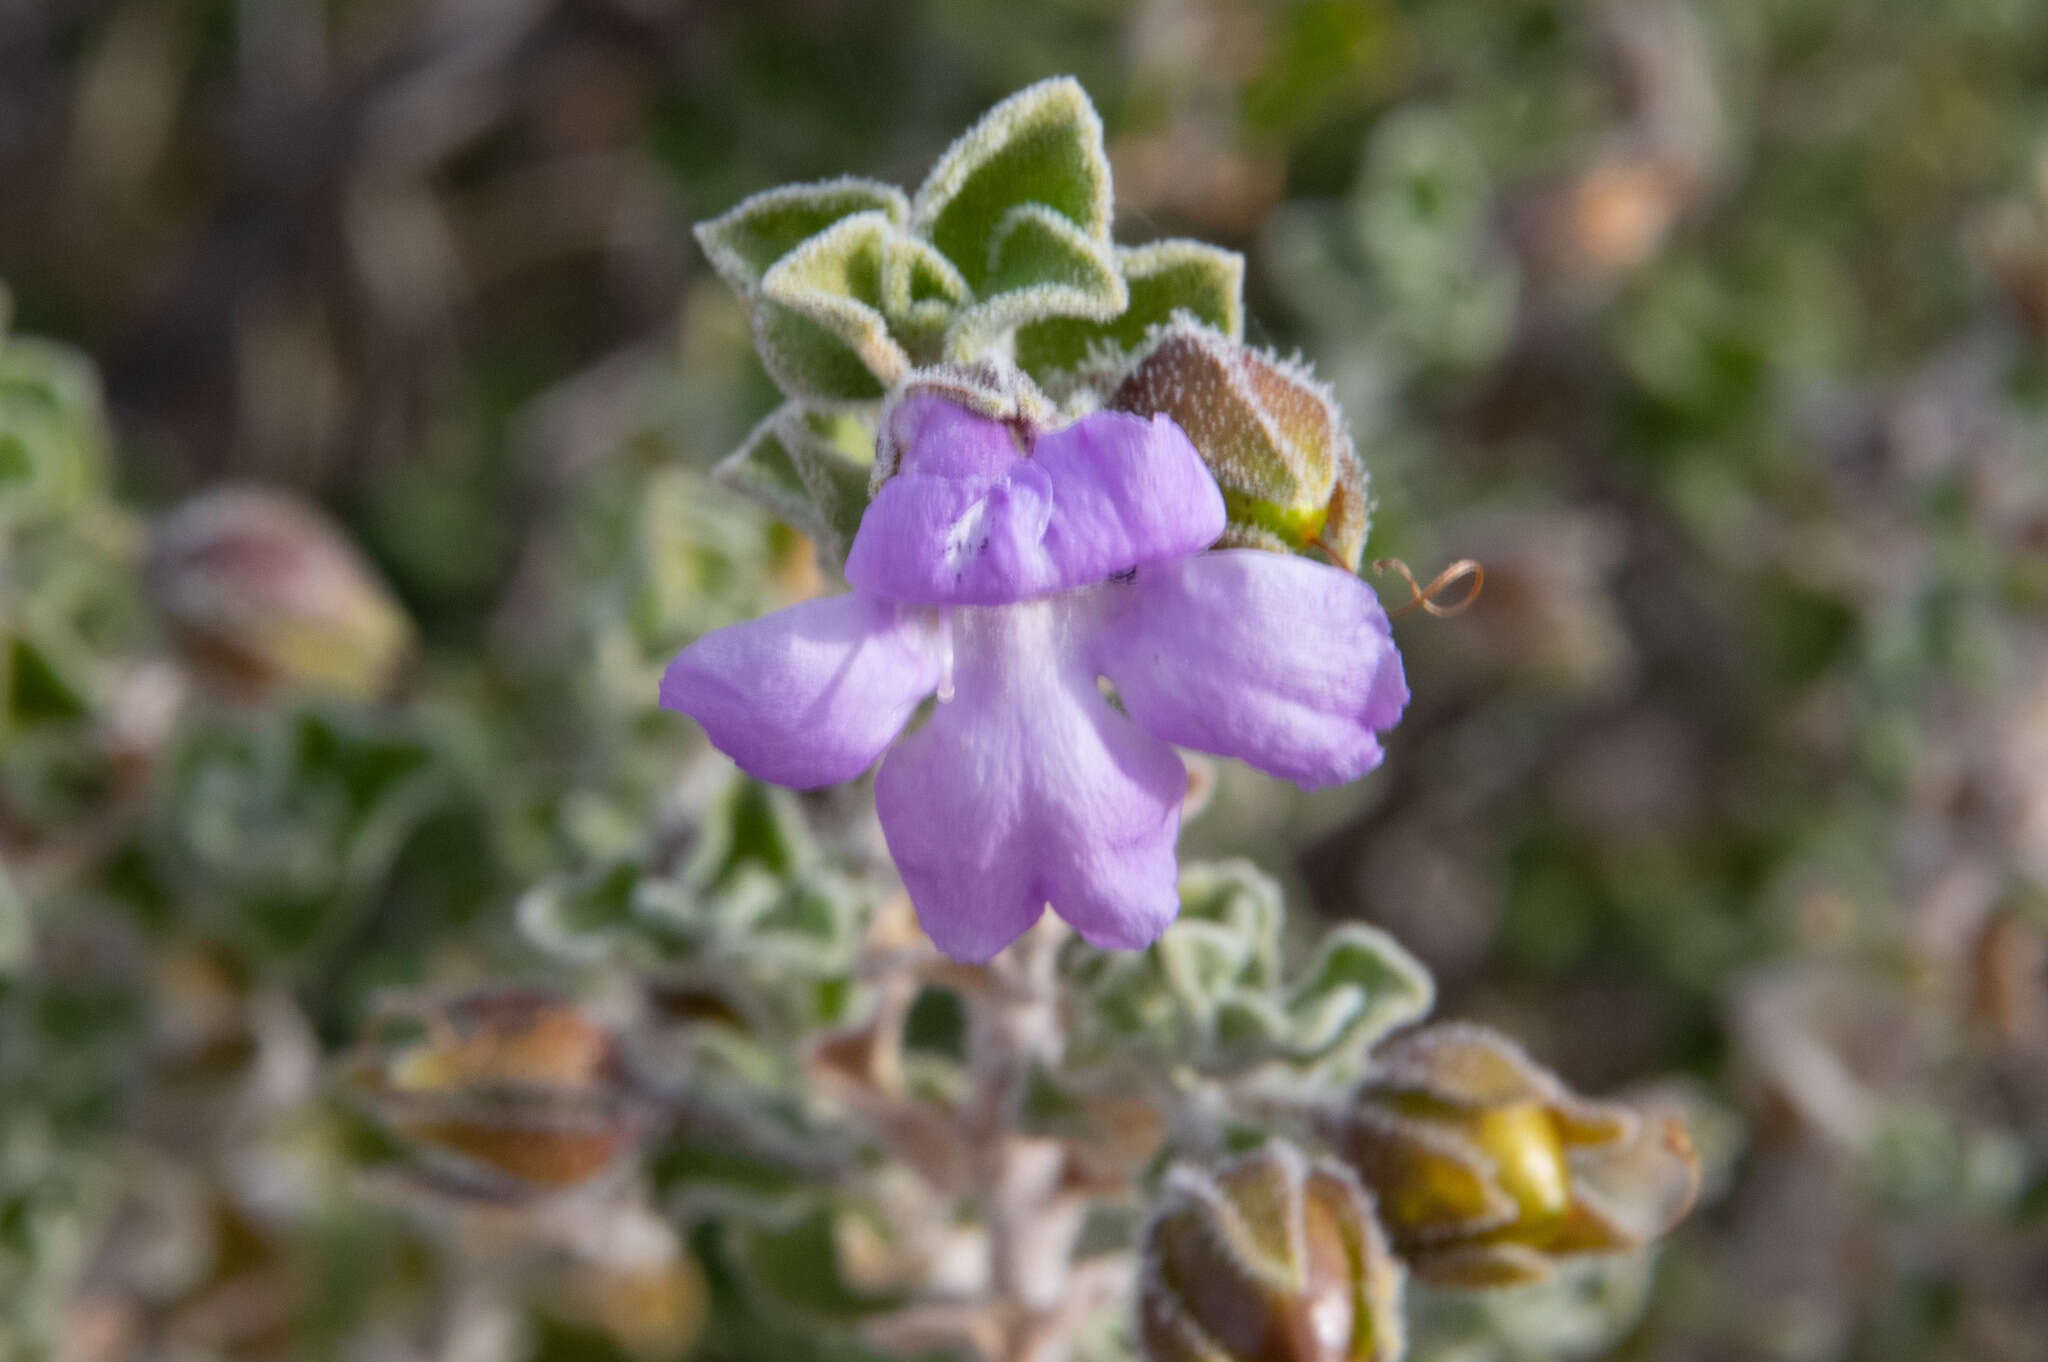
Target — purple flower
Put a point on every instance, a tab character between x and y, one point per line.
1007	575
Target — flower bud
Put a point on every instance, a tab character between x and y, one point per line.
513	1092
263	593
1486	1166
1270	1258
1270	433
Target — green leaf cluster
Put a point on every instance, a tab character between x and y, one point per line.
285	830
1004	252
70	614
751	898
53	431
1213	995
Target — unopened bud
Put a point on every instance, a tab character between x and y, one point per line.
263	593
1270	1258
1487	1167
1271	434
511	1091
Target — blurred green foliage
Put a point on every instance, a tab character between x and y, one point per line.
1716	332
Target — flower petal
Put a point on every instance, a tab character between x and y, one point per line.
809	695
964	541
1126	490
1027	788
1279	661
942	439
967	522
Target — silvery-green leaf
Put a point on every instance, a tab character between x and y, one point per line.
1164	278
921	294
809	362
839	279
1582	1310
1361	985
40	683
580	919
53	431
915	274
797	466
1201	960
764	470
745	242
824	447
1042	145
1239	898
1210	993
15	931
1040	265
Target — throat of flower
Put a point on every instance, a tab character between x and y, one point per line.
945	655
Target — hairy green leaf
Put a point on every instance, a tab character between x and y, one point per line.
1164	278
745	243
800	468
1042	145
1041	265
809	361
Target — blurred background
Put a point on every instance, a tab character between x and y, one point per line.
1715	331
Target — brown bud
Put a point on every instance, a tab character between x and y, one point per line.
513	1092
1270	1258
1486	1166
1271	434
263	593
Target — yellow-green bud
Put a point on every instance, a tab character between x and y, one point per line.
509	1091
263	593
1270	1258
1271	434
1487	1167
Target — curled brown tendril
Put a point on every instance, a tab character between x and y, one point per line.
1425	596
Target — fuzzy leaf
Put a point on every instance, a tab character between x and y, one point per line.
53	430
800	469
763	470
744	243
1040	265
1164	278
1361	985
749	911
1210	992
921	294
836	480
16	934
848	279
915	275
1042	145
818	321
874	286
809	362
40	684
